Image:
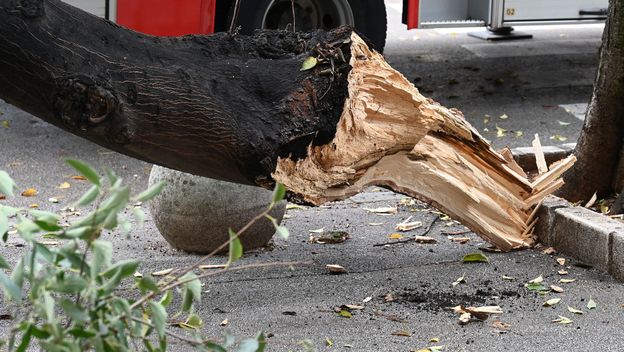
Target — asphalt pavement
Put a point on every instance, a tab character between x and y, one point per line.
405	289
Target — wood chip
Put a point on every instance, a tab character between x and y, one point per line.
212	266
382	210
540	160
424	239
162	272
335	269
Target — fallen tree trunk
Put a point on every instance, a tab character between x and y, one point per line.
239	109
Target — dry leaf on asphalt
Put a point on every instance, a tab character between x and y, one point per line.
549	251
53	200
537	280
64	185
375	223
500	325
367	299
500	132
389	297
225	322
562	272
467	314
79	178
575	311
561	261
395	236
332	237
401	333
460	280
162	272
556	288
335	269
563	320
382	210
559	138
551	302
566	281
591	304
30	192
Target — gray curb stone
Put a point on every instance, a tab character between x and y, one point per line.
585	235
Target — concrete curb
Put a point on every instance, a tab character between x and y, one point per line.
525	156
585	235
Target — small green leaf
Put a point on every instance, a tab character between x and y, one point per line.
159	317
85	170
282	231
7	185
261	342
3	263
45	216
74	311
89	196
248	345
563	320
70	284
151	192
10	289
236	248
102	256
536	287
139	215
475	258
591	304
194	321
551	302
166	299
146	283
4	225
345	313
308	63
279	192
574	310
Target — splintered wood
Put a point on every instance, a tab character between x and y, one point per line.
390	135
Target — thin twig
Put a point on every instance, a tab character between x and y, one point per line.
206	257
411	239
225	270
235	16
170	333
463	232
292	4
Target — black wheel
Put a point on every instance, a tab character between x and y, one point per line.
368	16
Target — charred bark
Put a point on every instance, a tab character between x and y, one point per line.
600	148
239	109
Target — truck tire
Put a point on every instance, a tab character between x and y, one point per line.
367	16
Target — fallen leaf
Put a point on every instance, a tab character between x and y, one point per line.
434	339
335	269
500	132
503	117
308	63
575	311
519	134
389	297
562	272
34	206
505	277
375	223
345	313
367	299
559	138
591	304
475	258
53	200
537	280
551	302
479	313
549	251
382	210
353	307
328	342
536	287
562	123
401	333
460	280
162	272
30	192
138	274
556	288
566	281
500	325
290	206
395	236
425	239
321	230
79	178
332	237
562	320
6	124
561	261
225	322
64	185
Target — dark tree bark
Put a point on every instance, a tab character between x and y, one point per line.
239	109
600	148
221	106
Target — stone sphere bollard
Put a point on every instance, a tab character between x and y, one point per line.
193	213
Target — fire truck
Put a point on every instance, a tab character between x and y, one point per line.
179	17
